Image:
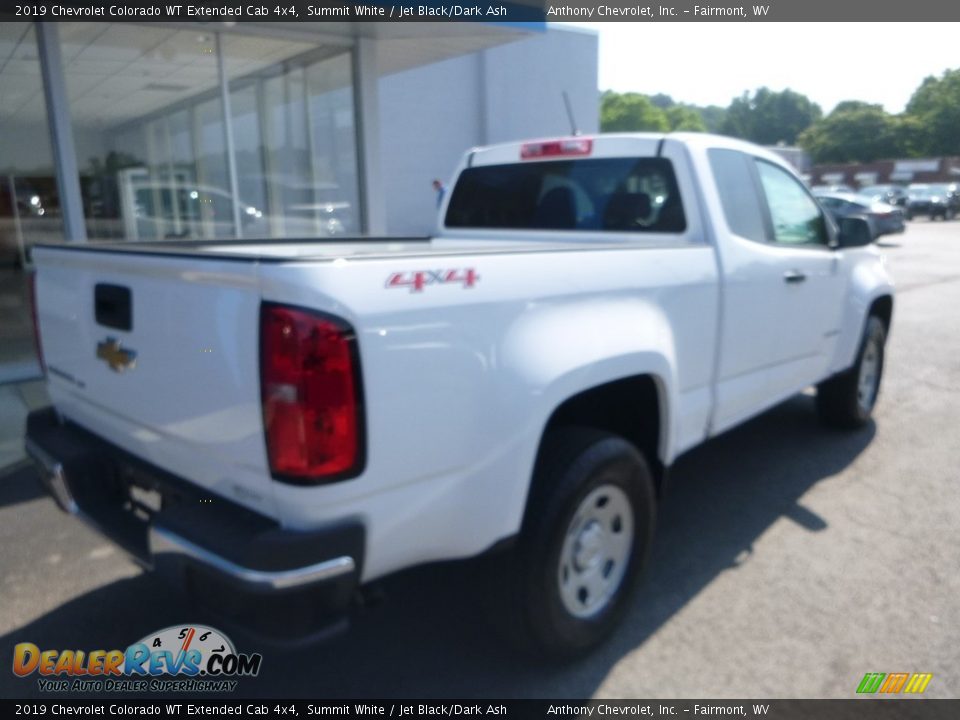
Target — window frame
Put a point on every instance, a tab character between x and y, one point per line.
669	162
829	228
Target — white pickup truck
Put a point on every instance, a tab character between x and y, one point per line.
276	424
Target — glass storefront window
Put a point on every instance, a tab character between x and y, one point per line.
295	141
151	144
333	141
29	202
151	162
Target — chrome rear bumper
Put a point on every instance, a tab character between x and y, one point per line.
211	548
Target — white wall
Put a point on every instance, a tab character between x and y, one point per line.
526	81
430	116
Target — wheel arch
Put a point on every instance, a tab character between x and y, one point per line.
882	307
870	293
634	407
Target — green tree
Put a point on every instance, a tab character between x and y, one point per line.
847	105
935	105
769	117
713	116
685	117
630	112
859	132
625	112
662	101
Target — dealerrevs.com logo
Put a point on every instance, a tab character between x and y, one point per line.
180	658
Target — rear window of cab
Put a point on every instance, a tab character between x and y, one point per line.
602	194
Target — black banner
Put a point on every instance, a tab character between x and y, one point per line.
854	709
493	11
512	11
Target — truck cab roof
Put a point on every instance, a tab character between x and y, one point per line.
601	145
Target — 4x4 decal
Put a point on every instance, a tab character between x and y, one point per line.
417	280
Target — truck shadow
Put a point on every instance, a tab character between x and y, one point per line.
430	639
18	484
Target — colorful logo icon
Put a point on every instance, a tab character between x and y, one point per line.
893	683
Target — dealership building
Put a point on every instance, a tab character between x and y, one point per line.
115	131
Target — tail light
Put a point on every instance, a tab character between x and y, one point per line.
34	315
311	394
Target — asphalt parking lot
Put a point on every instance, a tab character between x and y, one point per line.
789	559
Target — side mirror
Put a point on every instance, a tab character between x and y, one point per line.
854	232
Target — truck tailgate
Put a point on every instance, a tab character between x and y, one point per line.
159	355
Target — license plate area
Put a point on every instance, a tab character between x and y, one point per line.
143	496
144	502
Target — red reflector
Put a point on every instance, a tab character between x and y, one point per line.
556	148
37	345
310	390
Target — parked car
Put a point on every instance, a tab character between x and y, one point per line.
277	425
950	191
884	219
933	201
890	194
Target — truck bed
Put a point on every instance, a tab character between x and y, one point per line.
358	247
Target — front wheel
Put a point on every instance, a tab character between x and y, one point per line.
847	399
586	538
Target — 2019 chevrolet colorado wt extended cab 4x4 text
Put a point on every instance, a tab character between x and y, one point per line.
275	424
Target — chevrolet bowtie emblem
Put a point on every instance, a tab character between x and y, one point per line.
115	356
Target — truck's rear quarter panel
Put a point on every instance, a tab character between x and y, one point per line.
459	382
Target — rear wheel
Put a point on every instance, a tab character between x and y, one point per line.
585	540
847	399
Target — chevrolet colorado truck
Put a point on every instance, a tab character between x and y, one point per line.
276	424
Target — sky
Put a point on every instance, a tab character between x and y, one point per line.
711	63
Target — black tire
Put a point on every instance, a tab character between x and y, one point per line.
840	402
573	464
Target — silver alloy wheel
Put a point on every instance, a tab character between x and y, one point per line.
869	372
596	551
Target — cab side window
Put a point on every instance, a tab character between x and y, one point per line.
794	214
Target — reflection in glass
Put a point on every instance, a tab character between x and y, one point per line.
29	201
294	137
151	143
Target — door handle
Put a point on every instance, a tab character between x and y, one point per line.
794	276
